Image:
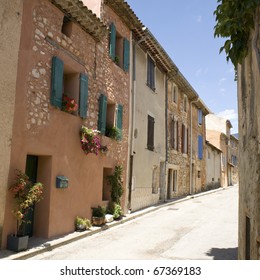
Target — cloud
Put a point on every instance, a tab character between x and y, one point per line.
222	80
229	114
199	19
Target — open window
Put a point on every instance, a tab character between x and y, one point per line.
69	88
66	26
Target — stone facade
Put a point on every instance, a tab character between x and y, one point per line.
45	132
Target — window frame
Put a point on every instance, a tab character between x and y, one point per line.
151	70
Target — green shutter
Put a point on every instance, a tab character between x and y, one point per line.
102	114
57	82
119	119
112	42
83	101
126	54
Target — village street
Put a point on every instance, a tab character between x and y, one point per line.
202	228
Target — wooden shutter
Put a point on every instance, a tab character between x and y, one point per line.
57	82
177	135
183	139
187	141
83	101
102	114
126	55
150	133
112	42
119	119
200	147
172	125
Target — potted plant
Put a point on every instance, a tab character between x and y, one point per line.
82	224
69	105
113	132
26	194
98	215
90	142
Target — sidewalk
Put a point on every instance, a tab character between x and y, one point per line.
40	245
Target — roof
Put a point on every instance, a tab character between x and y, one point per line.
147	41
78	12
213	146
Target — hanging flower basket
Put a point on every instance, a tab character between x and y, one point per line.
90	142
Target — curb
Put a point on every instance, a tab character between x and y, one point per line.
49	245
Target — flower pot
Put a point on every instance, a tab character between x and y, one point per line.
80	227
98	221
17	244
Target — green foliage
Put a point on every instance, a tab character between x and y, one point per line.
235	20
113	132
115	210
83	222
116	183
99	212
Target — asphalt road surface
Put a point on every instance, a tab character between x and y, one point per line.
202	228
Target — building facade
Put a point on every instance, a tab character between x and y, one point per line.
67	52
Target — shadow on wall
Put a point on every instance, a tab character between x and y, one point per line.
223	253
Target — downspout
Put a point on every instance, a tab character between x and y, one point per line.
166	137
191	179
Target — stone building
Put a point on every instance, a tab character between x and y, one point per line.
218	134
66	50
213	166
249	148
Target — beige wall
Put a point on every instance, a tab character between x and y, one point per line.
249	150
213	167
146	162
10	30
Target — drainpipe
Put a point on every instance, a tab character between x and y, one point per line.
191	179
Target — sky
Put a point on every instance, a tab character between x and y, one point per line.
185	29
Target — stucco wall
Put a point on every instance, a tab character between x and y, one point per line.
213	167
249	150
10	29
147	102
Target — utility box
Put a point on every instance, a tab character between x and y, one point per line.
62	182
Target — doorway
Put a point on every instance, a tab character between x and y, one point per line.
31	170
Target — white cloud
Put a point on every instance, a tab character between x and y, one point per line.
229	114
222	80
199	18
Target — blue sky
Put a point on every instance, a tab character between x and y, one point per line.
185	29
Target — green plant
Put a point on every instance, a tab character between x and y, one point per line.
116	182
113	132
26	194
117	211
85	223
235	20
117	60
99	212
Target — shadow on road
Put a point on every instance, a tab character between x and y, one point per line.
223	253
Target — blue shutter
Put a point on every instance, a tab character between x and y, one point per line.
126	54
57	82
102	114
83	101
119	119
200	116
112	42
200	147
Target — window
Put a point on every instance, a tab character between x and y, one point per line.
119	48
110	119
234	160
174	94
200	117
184	146
65	81
106	190
200	146
150	73
66	26
150	133
198	173
185	103
174	134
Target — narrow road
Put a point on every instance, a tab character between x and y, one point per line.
203	228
